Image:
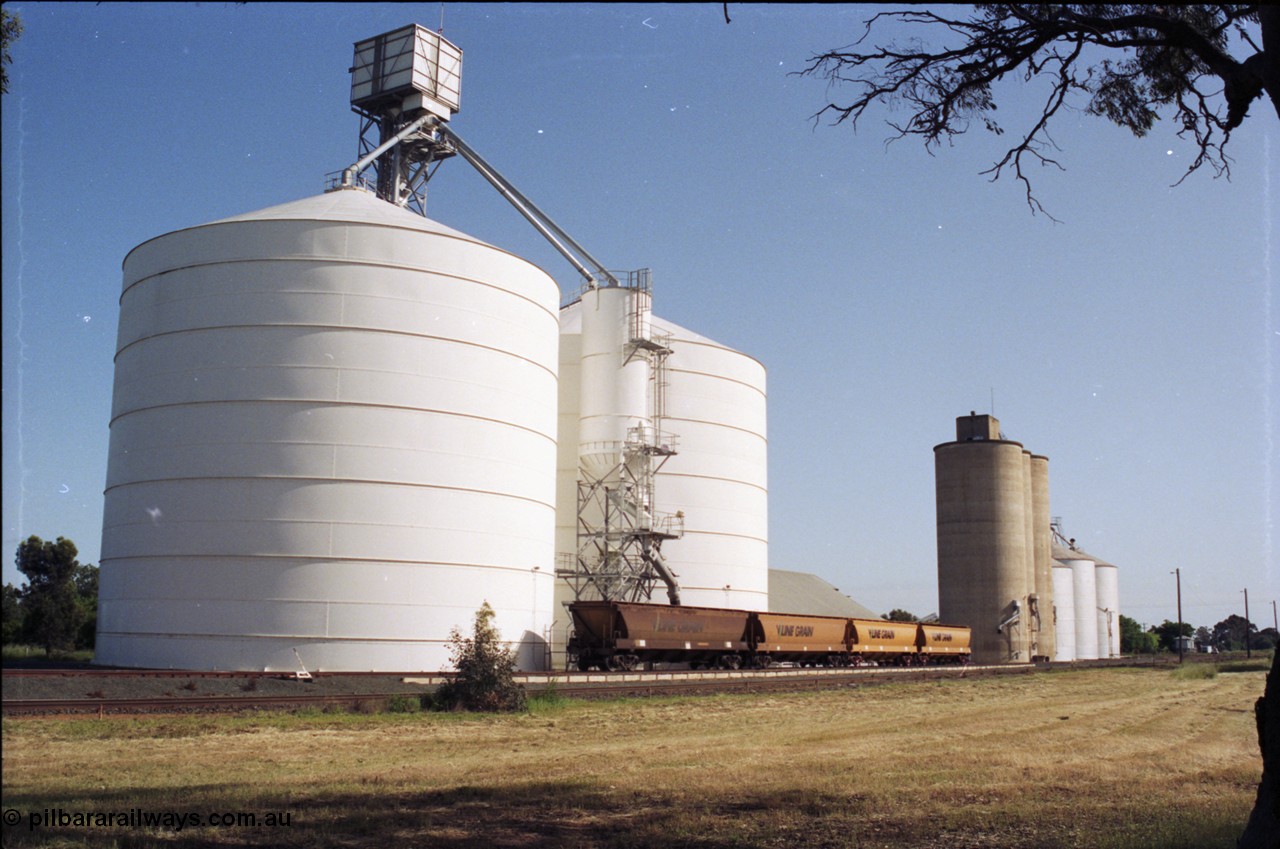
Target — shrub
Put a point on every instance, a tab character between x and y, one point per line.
403	704
1195	671
486	671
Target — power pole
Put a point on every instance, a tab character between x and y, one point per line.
1248	650
1177	573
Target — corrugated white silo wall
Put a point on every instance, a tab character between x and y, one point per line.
716	406
333	430
613	388
1085	596
1107	582
1064	601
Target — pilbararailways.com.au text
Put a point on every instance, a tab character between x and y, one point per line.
143	818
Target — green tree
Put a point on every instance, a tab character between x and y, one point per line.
1167	632
1134	640
485	680
86	582
10	29
1204	66
11	617
1229	634
900	615
51	607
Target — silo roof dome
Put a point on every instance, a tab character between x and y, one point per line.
355	205
1064	554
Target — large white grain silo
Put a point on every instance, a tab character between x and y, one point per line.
1064	611
1107	583
333	431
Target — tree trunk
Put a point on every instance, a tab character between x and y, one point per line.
1269	17
1263	830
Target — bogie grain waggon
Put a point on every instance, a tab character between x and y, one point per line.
611	635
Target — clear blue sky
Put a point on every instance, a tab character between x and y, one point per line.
886	291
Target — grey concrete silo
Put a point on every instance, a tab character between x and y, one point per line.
982	539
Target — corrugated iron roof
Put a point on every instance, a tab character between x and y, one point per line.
802	592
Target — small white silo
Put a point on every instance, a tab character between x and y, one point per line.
1085	598
1107	581
613	388
1064	607
333	430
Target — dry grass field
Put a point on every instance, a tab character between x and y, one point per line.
1101	758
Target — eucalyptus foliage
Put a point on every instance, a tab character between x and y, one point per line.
486	670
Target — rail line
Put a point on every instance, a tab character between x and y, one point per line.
575	685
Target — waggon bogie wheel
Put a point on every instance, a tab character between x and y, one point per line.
730	661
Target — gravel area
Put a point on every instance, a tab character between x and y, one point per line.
97	686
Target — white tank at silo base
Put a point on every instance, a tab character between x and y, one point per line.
1064	599
1107	583
613	387
715	406
333	430
1085	600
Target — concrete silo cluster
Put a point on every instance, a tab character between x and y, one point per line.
999	569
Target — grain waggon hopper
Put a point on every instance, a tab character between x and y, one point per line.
621	636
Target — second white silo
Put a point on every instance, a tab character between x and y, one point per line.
333	432
1085	599
716	407
1064	611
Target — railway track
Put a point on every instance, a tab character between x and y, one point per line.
589	685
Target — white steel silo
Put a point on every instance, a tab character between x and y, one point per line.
1107	582
1085	600
716	406
613	387
1064	610
333	430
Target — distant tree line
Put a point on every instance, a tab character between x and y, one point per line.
1227	635
57	610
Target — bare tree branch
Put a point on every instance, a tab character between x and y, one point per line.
1128	63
